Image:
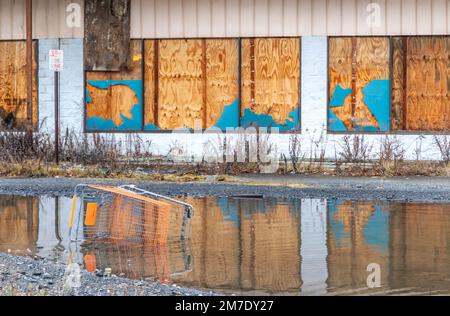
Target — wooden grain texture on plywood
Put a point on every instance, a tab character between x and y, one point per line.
340	74
222	77
353	64
372	63
398	87
13	88
427	102
118	99
111	103
277	77
246	75
149	81
180	102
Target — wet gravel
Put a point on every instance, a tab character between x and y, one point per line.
426	189
34	276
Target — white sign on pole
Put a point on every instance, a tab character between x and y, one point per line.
56	60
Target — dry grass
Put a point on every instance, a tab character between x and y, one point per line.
102	156
32	169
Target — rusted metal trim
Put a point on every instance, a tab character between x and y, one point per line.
29	56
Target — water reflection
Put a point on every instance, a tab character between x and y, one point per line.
256	246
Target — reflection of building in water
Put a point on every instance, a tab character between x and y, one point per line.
245	244
19	222
358	235
253	244
314	250
270	246
420	246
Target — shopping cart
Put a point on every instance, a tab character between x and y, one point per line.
128	216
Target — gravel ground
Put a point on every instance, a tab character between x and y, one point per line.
426	189
34	276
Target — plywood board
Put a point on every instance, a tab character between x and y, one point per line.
271	79
222	87
114	99
180	84
340	79
359	84
427	104
398	87
13	87
149	80
372	66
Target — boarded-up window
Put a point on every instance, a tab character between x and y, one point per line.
13	87
114	99
359	84
191	84
194	83
421	80
271	83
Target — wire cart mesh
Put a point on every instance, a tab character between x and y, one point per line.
129	216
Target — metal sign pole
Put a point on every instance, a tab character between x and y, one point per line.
57	117
56	62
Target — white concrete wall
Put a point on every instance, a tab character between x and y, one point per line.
313	136
71	86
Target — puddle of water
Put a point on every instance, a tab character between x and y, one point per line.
261	246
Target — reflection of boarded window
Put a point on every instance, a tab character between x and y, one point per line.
13	87
191	83
421	68
271	82
114	99
359	84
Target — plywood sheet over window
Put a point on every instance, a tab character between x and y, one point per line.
421	70
222	83
181	86
191	84
114	99
13	87
359	84
271	82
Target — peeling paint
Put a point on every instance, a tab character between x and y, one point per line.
339	96
229	117
376	98
101	123
250	118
